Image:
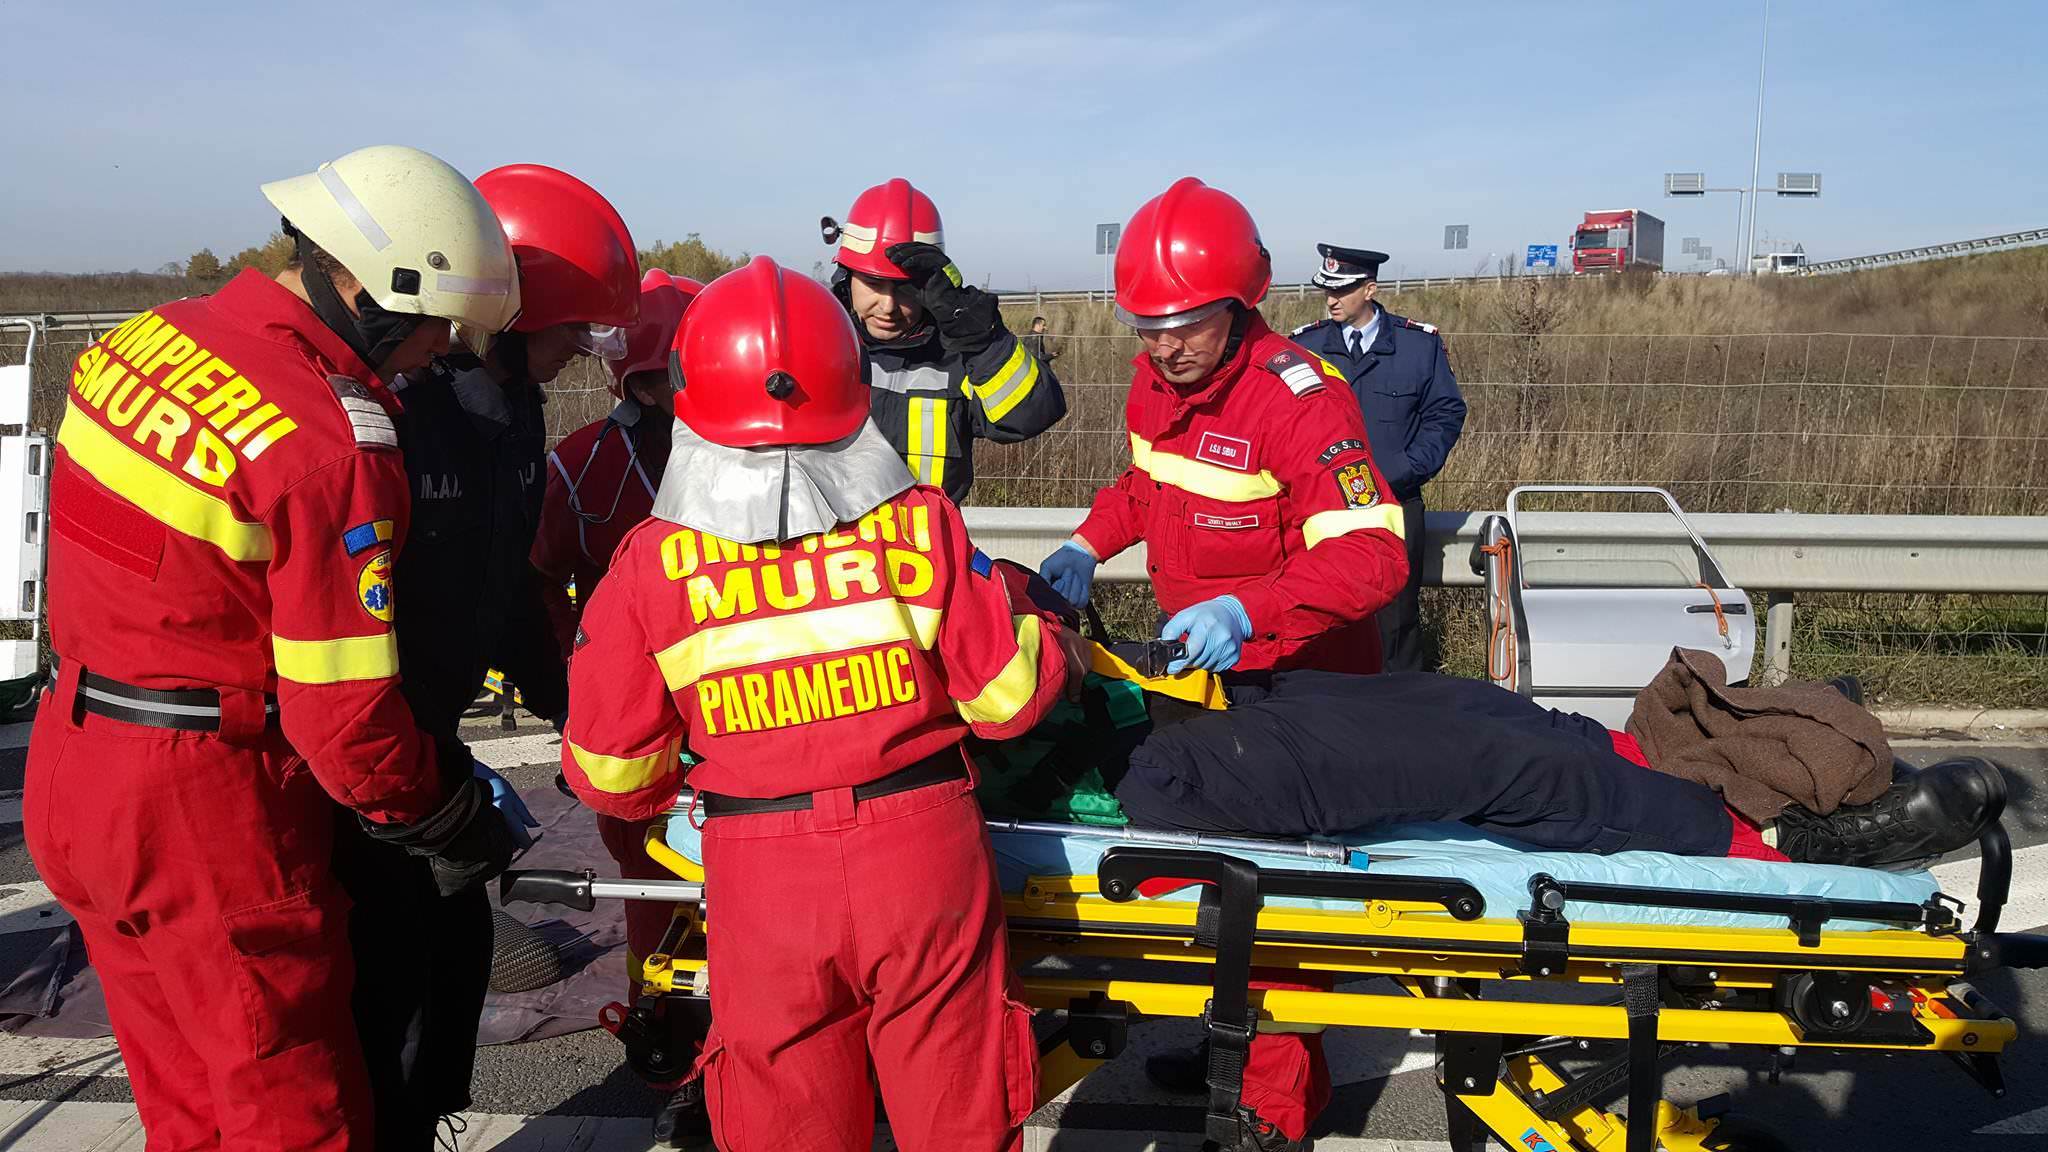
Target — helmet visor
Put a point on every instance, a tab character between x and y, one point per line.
1193	315
604	341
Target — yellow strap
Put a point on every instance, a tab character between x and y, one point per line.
334	661
1200	478
1011	689
1343	521
1194	685
621	774
176	504
827	630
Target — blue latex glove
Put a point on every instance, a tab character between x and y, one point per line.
505	799
1070	570
1216	631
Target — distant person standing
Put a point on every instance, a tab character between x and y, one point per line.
1413	412
1039	342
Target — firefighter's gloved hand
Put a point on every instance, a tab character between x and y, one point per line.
465	840
1071	572
1216	631
967	318
505	798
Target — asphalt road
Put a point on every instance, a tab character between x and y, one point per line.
1386	1099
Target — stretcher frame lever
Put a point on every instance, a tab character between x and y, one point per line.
1123	869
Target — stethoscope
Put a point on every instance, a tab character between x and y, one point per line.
585	519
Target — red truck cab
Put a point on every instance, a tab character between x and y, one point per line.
1622	238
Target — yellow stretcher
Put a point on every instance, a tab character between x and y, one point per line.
1467	973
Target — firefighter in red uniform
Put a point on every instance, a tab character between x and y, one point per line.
820	630
226	506
1268	534
601	481
602	477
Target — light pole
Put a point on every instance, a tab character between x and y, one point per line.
1757	150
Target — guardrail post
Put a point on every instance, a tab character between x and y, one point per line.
1778	635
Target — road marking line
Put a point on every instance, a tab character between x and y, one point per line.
543	747
74	1126
55	1056
28	907
2026	904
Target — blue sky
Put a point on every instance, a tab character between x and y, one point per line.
1373	124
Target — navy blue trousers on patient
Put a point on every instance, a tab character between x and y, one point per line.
1302	754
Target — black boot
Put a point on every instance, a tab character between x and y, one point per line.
1259	1136
683	1121
1848	686
1924	813
1183	1071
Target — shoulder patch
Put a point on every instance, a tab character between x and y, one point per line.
982	564
1305	327
366	418
1418	325
1355	482
1295	371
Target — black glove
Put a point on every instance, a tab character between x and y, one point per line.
465	839
967	318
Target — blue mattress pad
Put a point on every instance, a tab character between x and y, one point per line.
1499	868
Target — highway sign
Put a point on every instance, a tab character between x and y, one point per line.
1106	236
1541	256
1456	235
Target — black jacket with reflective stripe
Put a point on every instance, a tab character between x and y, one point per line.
933	404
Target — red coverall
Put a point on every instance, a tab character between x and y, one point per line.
1257	483
846	936
601	483
225	504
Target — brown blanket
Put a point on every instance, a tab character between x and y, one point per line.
1760	748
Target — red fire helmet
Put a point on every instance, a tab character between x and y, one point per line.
662	300
886	215
1185	254
577	262
766	356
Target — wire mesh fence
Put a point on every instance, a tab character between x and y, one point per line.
1812	422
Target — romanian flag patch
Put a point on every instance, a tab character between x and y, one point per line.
364	537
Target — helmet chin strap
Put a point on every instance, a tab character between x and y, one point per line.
1240	320
372	332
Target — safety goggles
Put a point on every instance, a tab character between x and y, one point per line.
1177	320
604	341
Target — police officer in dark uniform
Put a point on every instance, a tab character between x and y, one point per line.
1413	412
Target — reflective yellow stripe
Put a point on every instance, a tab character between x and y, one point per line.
1330	525
178	505
926	451
1009	384
837	629
622	774
1012	688
1199	478
333	661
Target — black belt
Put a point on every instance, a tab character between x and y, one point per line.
186	709
938	768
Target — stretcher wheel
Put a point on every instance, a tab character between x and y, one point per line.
1735	1134
521	959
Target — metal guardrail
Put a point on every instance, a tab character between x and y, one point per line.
1761	551
1776	554
1930	252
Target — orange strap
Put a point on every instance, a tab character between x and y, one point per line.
1720	617
1503	616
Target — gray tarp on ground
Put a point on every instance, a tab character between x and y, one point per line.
58	994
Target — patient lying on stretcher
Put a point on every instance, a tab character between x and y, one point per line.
1320	754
